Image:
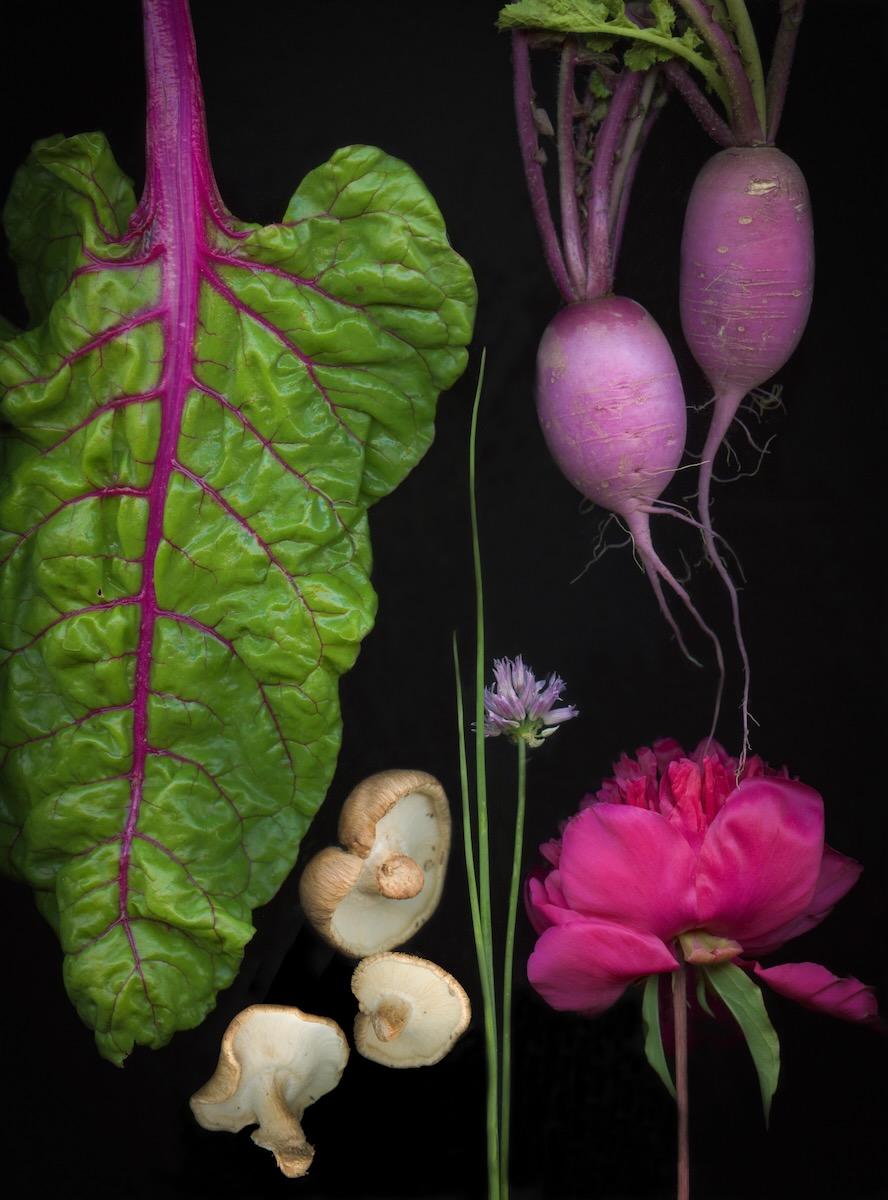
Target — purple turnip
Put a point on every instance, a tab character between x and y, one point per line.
747	254
609	395
747	276
612	410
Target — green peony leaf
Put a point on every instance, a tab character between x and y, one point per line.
702	998
744	999
653	1035
198	421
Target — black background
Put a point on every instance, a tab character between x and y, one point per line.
285	84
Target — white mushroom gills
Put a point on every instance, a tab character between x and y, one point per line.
384	883
274	1062
412	1010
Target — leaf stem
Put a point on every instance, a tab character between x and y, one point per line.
791	15
177	152
717	128
486	965
747	44
483	949
601	253
742	114
634	138
508	963
571	237
478	862
468	840
533	170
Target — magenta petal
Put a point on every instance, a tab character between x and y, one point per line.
815	987
838	874
551	851
544	902
628	864
760	860
534	897
585	966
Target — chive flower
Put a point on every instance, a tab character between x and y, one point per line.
522	707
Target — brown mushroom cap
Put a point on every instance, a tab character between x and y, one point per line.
412	1010
376	892
274	1062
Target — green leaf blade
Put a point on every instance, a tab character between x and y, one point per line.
743	998
69	200
653	1034
185	552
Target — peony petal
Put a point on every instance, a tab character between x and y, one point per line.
760	860
815	987
535	899
838	874
679	800
544	901
551	851
585	966
629	865
665	751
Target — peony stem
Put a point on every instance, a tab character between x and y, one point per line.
680	1025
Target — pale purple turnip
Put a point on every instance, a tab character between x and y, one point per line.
747	277
609	395
747	257
747	253
612	410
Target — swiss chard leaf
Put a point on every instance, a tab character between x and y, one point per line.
198	420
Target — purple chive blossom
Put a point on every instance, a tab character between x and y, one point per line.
521	707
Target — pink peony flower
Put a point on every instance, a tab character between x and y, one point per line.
688	851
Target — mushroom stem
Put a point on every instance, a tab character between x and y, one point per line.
390	1017
399	878
279	1130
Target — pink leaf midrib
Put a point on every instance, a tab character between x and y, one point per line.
179	196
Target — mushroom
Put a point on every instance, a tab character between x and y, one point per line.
376	892
273	1063
412	1011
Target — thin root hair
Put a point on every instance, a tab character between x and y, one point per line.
687	570
760	450
699	408
689	466
733	456
601	545
762	400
